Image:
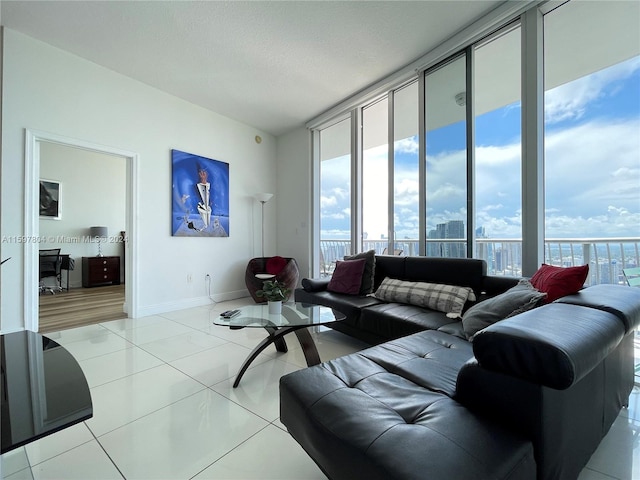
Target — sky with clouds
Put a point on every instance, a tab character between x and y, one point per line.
592	168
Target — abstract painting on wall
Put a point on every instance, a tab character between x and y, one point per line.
200	196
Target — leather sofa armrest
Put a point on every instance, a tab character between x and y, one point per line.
315	284
555	345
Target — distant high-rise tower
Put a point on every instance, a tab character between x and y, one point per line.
435	249
455	229
451	229
484	250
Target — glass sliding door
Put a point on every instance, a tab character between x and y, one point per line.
446	162
592	139
335	194
375	177
406	185
498	152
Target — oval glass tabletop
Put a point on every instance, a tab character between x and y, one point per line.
293	314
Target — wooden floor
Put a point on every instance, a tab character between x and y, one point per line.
81	306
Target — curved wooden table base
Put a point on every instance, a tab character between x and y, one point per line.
276	336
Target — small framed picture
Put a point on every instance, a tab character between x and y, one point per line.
50	199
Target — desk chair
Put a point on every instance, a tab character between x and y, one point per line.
50	266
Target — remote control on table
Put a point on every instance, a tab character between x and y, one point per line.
230	313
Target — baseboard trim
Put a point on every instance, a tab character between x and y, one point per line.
159	308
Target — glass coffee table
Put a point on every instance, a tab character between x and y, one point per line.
295	317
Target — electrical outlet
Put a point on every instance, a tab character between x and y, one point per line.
189	278
207	277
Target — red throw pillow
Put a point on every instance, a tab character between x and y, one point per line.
557	282
347	277
275	265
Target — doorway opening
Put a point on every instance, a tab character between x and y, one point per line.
34	142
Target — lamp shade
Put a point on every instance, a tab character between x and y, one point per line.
98	232
263	197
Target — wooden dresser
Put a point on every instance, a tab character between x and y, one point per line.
98	271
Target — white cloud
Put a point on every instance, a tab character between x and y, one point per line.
327	202
407	145
593	164
406	193
606	225
488	208
570	101
495	156
447	191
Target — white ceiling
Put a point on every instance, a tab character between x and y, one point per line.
270	64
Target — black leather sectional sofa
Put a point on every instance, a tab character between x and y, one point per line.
531	396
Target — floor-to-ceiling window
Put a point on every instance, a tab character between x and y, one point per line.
375	177
592	137
446	161
498	151
406	186
335	194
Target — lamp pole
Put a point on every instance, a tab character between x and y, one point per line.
263	198
263	202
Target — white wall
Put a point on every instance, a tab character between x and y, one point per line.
92	193
294	198
47	89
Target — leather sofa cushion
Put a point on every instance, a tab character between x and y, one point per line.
393	267
540	345
429	359
350	305
464	272
386	412
395	320
622	301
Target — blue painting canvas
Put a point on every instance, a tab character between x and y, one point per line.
200	196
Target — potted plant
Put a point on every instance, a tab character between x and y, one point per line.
275	292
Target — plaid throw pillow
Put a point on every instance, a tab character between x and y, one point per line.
449	299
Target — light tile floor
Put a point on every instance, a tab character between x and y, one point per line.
164	407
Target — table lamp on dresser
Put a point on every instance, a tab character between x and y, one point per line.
99	233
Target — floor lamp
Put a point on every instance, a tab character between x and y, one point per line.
263	198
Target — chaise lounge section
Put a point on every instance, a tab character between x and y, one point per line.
530	397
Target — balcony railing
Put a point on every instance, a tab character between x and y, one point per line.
606	257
